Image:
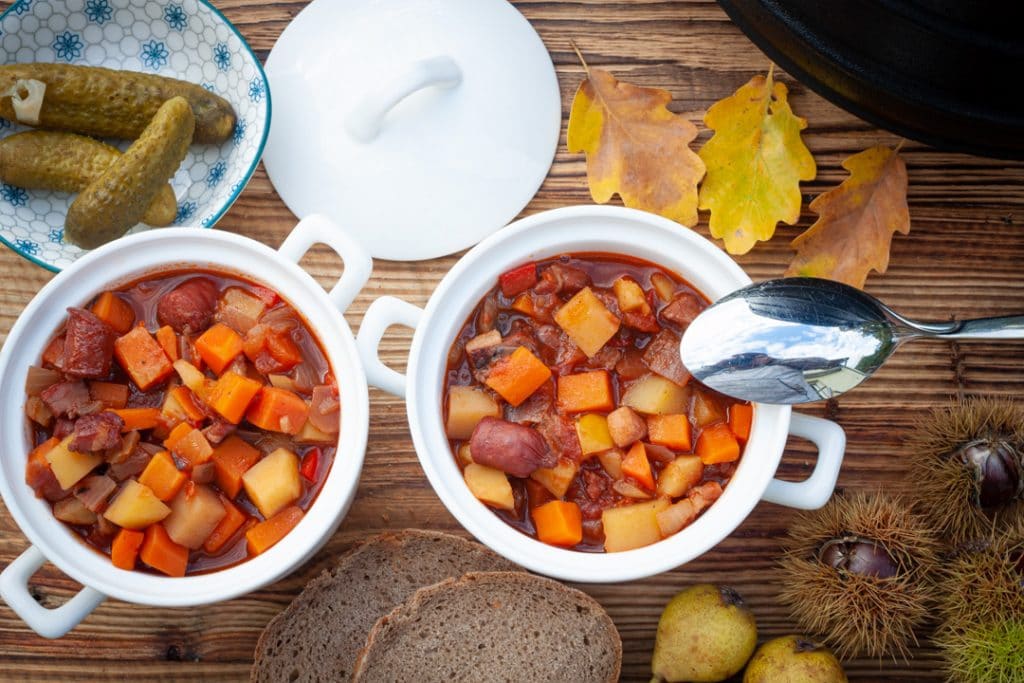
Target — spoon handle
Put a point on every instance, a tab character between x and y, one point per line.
1005	327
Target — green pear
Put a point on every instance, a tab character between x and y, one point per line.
794	659
705	634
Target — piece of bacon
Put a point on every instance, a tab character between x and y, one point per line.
96	432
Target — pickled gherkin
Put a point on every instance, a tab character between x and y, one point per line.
111	103
66	162
118	199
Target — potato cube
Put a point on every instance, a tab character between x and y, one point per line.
310	434
273	483
680	475
707	409
194	516
632	526
68	466
490	486
585	391
671	431
592	431
587	321
655	395
466	407
626	427
136	506
558	478
630	295
464	454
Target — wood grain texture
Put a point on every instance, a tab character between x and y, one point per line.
962	258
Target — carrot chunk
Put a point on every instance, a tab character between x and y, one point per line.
586	391
278	410
231	459
671	431
163	554
110	394
138	418
741	415
124	550
232	394
637	466
517	376
162	476
225	529
524	304
168	341
264	535
177	434
114	311
218	346
716	443
559	523
142	358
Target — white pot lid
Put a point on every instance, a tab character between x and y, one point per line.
420	126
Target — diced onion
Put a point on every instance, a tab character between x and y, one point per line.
39	379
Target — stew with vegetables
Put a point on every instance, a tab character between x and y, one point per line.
183	423
570	412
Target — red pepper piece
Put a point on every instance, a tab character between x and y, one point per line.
310	464
518	280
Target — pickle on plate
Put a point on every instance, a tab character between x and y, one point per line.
67	162
118	199
112	103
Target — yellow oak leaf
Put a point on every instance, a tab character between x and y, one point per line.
856	221
635	147
755	162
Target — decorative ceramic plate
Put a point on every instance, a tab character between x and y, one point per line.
186	39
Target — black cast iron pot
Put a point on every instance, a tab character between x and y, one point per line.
949	73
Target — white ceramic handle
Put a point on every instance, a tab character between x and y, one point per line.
49	623
319	229
813	492
364	121
382	314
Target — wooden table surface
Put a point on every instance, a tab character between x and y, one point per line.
962	258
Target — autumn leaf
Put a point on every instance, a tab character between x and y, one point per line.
856	220
635	147
755	162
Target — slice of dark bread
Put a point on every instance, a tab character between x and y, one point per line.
493	626
318	637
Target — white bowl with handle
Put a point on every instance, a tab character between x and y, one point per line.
579	230
144	255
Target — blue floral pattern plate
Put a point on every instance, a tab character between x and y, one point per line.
186	39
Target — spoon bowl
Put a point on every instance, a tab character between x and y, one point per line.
798	340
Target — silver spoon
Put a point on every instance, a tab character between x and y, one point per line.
797	340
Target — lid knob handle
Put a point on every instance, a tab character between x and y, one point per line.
364	121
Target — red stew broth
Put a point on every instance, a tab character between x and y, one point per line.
143	296
603	269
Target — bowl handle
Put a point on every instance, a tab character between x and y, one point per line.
49	623
319	229
813	492
382	314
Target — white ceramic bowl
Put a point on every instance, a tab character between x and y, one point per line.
186	39
121	262
586	229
